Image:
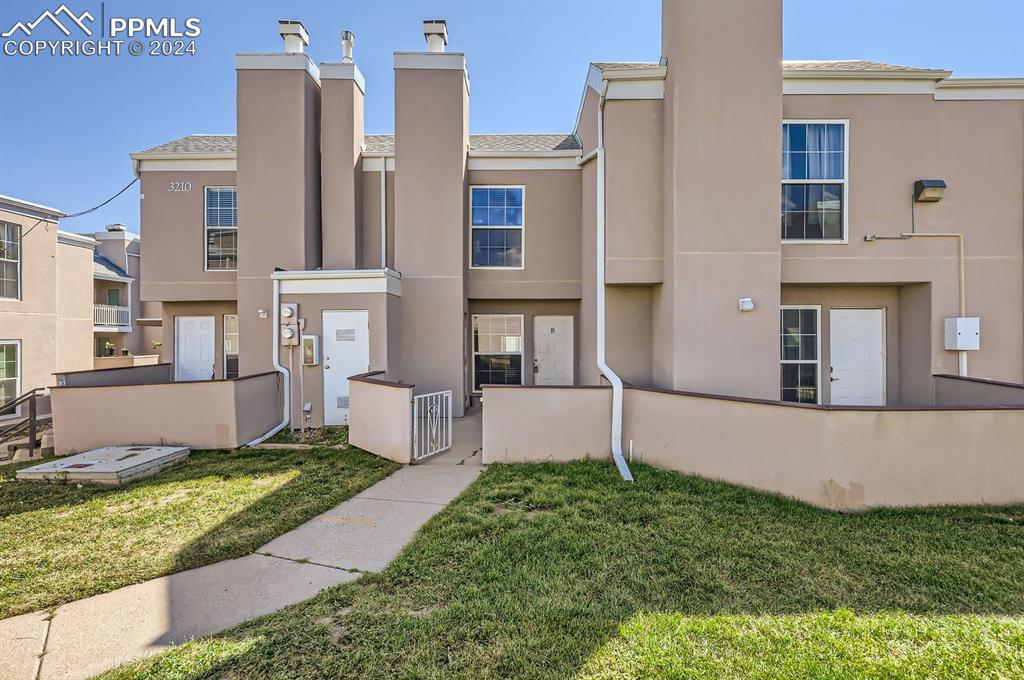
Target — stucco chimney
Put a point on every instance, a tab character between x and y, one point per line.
348	41
341	172
436	33
294	34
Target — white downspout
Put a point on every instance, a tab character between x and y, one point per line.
384	213
602	364
285	375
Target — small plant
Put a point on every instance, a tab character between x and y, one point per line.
157	344
109	348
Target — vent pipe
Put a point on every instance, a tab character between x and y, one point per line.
436	33
294	34
348	41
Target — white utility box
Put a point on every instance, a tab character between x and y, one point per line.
963	333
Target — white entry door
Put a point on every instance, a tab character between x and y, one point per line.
552	350
857	346
194	347
346	346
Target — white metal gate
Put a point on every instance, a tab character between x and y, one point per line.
431	424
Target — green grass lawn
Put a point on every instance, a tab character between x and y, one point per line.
60	543
319	436
564	571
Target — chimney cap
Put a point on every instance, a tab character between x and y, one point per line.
117	226
435	27
294	33
348	41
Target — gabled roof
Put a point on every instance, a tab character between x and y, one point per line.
102	268
204	145
193	144
811	67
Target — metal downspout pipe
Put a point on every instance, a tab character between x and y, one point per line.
285	374
602	364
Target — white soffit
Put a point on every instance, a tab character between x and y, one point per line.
980	89
186	163
377	163
321	281
343	72
523	162
70	238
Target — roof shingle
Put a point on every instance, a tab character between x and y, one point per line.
207	144
101	266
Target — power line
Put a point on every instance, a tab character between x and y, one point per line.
84	212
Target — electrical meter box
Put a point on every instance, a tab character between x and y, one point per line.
310	355
963	333
289	324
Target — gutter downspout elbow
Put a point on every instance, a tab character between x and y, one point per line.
602	364
285	375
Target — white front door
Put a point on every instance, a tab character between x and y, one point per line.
194	347
857	347
552	350
346	348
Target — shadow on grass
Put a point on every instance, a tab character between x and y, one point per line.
535	570
244	498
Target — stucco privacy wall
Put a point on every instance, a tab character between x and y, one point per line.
74	306
841	459
380	416
951	390
233	412
154	374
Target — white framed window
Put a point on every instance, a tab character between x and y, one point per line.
800	353
221	229
10	371
497	227
815	181
230	346
497	349
10	261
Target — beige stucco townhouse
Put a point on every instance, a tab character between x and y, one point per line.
789	231
67	300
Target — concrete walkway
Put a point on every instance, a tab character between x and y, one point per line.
362	534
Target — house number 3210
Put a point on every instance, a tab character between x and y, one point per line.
180	186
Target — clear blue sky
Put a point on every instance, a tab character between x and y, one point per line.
67	124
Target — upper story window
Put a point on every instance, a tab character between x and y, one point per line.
221	229
814	185
496	227
10	261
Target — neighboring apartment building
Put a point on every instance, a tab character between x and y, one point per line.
45	298
752	211
61	295
122	322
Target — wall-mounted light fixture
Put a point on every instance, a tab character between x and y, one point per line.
929	190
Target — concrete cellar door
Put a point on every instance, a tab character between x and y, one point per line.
346	353
194	347
552	350
857	351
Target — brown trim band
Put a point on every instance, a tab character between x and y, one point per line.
770	402
369	379
114	368
984	381
172	382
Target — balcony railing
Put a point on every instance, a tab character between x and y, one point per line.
111	315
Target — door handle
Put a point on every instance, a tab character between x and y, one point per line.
830	378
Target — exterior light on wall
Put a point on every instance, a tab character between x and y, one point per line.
929	190
746	304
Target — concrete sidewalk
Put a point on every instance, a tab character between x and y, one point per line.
364	533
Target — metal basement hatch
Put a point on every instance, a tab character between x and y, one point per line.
110	465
